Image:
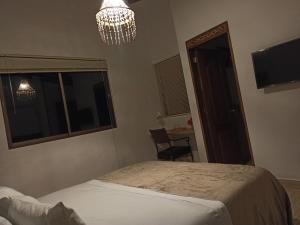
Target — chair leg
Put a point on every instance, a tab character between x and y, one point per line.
192	156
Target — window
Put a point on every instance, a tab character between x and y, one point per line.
34	115
172	87
87	100
39	107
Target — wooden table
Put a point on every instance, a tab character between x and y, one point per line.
181	132
186	132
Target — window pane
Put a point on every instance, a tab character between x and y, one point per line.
88	100
34	106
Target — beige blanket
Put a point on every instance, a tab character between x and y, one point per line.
253	196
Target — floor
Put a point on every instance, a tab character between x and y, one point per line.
293	189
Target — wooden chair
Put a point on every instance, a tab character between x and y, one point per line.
167	148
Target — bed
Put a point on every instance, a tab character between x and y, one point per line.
179	193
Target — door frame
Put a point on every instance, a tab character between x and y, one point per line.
191	44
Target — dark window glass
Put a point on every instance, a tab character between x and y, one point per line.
88	100
34	106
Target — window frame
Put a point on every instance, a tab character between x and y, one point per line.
69	134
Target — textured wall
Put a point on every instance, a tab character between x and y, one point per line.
68	28
272	116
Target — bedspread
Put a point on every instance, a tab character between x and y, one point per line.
252	195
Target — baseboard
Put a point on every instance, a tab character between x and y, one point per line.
290	182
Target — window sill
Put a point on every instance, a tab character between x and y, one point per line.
12	146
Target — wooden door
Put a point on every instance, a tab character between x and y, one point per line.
220	110
218	96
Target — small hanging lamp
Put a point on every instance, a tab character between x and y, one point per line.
25	89
116	22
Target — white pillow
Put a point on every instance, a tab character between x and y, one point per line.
25	198
27	213
4	221
8	192
60	214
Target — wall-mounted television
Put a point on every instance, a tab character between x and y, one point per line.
277	65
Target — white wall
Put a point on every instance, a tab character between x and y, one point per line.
159	30
161	40
156	41
273	118
68	28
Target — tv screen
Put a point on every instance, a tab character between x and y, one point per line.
277	65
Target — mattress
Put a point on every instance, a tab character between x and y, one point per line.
253	196
100	203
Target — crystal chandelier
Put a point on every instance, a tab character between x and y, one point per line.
25	90
116	22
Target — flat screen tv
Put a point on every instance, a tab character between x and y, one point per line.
277	65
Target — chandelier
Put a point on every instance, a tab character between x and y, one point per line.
116	22
25	90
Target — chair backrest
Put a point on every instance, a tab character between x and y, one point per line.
160	136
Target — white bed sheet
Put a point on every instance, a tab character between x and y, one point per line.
100	203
